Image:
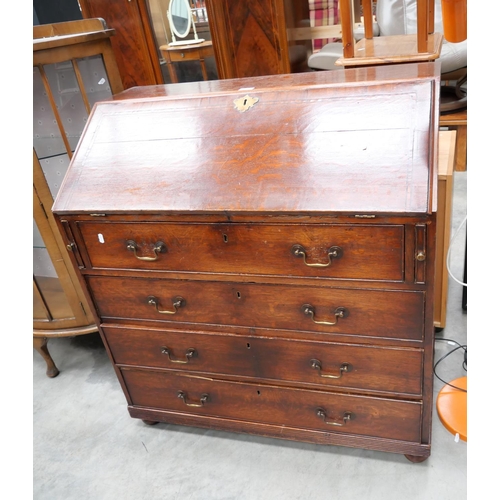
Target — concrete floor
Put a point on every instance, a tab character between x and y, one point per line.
85	445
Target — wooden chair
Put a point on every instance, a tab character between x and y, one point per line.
322	31
425	45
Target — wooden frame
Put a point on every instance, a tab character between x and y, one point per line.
446	163
424	46
134	45
56	43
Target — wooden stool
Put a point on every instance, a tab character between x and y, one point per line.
425	45
181	53
457	121
451	406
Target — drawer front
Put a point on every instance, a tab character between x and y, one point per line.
319	363
327	251
299	408
382	313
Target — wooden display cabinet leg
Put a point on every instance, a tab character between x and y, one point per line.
150	422
40	344
416	459
461	155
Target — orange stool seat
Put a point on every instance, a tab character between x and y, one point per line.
451	406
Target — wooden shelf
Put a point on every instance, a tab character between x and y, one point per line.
392	49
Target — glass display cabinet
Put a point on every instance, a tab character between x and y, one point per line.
73	68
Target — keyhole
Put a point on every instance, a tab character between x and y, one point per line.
258	393
224	237
245	102
238	294
248	346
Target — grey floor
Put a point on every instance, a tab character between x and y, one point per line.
85	445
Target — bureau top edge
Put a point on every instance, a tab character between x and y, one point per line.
292	149
291	217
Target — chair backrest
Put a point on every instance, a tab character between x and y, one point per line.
323	26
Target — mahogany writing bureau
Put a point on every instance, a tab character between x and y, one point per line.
259	253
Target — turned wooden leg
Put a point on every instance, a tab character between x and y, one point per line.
415	459
40	344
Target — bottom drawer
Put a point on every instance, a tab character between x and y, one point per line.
306	409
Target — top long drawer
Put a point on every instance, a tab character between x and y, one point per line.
364	252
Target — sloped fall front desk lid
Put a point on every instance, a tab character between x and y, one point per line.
354	141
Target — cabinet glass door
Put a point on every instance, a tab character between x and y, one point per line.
60	113
50	303
58	104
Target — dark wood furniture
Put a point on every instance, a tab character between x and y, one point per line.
250	37
180	53
260	253
73	66
134	45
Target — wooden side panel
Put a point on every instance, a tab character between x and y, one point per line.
249	37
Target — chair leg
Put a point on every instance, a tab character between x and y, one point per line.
40	344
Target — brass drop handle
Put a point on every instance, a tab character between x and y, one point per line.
159	248
333	253
344	368
177	302
340	312
190	353
183	396
345	418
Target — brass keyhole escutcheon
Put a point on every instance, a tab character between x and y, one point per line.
244	103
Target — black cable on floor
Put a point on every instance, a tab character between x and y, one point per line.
464	362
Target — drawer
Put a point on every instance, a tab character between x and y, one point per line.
359	252
299	408
382	313
327	364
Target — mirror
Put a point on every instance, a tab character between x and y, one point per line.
180	18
